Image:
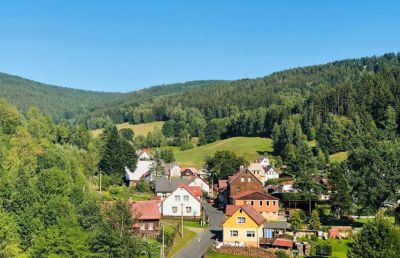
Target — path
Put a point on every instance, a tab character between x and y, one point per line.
202	242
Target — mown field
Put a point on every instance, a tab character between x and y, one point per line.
248	147
338	157
139	129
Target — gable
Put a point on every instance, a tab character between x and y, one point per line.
245	174
181	191
232	220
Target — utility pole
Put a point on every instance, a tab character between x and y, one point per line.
100	181
182	219
162	254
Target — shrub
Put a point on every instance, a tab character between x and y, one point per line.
281	254
187	146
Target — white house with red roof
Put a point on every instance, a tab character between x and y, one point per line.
184	201
202	183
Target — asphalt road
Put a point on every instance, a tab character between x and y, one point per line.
202	242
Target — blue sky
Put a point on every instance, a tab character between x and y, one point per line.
127	45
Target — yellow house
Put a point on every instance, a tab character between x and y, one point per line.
244	225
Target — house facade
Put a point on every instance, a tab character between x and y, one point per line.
270	173
181	202
263	161
244	225
173	170
143	155
243	181
202	183
165	186
148	215
258	170
266	205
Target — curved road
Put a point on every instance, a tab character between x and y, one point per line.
202	242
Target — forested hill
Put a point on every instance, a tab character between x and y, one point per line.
67	103
288	90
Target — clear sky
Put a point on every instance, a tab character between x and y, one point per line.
127	45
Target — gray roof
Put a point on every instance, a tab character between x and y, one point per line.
164	185
276	224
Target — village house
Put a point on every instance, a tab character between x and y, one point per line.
244	225
189	173
182	202
258	170
263	161
143	155
148	215
242	181
202	183
173	170
164	186
266	205
270	173
142	171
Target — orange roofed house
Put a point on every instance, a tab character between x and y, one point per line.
266	205
148	215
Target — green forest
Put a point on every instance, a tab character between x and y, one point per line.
50	164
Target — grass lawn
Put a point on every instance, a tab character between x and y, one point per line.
139	129
339	246
248	147
193	224
180	243
218	255
365	220
338	157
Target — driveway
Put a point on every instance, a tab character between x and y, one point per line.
202	242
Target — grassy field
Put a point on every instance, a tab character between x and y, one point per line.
139	129
248	147
339	247
338	157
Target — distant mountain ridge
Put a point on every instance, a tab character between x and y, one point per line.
67	103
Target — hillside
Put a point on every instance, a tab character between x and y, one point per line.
248	147
139	129
68	103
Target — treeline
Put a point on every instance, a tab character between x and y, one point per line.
48	203
63	103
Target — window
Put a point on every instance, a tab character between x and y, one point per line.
249	179
150	226
274	203
241	220
234	233
237	189
188	209
177	198
142	226
267	203
252	203
242	179
250	233
186	197
260	203
174	209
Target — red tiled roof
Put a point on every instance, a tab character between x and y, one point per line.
230	209
146	210
191	169
254	215
253	195
283	242
155	197
194	190
222	183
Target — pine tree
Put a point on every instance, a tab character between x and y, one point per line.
315	224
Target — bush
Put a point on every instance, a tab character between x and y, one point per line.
281	254
324	250
142	187
187	146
